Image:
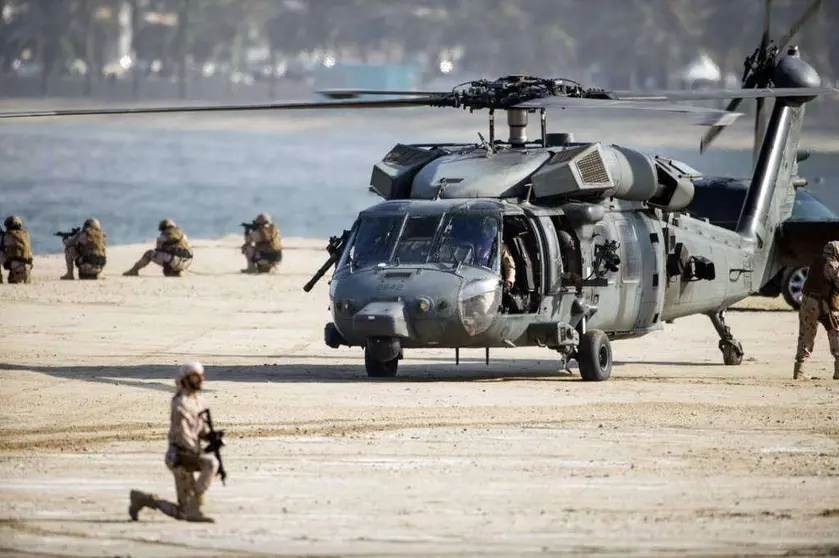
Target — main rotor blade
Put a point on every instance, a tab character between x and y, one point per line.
796	27
386	103
746	93
708	116
355	93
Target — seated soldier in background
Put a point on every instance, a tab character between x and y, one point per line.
85	249
173	252
263	248
16	251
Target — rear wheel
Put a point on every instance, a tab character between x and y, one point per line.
595	356
792	285
379	369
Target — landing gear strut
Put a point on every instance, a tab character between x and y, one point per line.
732	350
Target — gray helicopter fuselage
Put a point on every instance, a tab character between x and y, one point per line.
423	303
599	237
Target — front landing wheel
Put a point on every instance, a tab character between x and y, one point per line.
595	356
380	369
732	353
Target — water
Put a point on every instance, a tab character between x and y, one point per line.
313	180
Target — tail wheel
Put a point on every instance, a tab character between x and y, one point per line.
595	356
792	285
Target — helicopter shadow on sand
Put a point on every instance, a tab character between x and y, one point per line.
416	369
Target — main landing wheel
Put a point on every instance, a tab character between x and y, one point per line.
379	369
595	356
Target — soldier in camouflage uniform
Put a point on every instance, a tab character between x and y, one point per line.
86	250
184	456
173	252
820	304
16	252
263	248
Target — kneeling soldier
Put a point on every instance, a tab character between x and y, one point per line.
85	249
173	252
263	247
184	456
16	251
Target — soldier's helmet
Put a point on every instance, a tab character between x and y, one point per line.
831	250
13	222
92	224
165	224
263	219
188	369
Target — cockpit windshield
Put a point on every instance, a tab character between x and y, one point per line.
417	238
374	240
468	239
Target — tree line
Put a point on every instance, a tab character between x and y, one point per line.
630	41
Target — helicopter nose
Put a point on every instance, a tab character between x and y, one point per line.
381	320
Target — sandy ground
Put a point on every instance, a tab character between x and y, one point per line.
675	455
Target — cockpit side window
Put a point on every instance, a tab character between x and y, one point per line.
470	240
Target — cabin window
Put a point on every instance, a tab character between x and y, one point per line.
630	252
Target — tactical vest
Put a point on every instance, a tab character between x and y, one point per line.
93	251
18	249
175	243
269	239
818	286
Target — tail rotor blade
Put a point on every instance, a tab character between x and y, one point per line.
759	128
796	27
706	140
767	21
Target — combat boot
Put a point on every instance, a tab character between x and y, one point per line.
194	513
798	372
140	500
68	276
836	370
133	272
251	268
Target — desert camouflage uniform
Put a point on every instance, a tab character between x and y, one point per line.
86	249
263	248
820	304
508	266
184	456
16	253
173	252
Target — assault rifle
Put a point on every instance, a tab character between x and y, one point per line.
335	247
215	439
252	226
66	235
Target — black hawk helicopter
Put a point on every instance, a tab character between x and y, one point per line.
597	236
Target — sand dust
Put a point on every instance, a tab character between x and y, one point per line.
676	454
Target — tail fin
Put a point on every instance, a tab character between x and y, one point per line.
771	194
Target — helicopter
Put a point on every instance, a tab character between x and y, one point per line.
552	242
